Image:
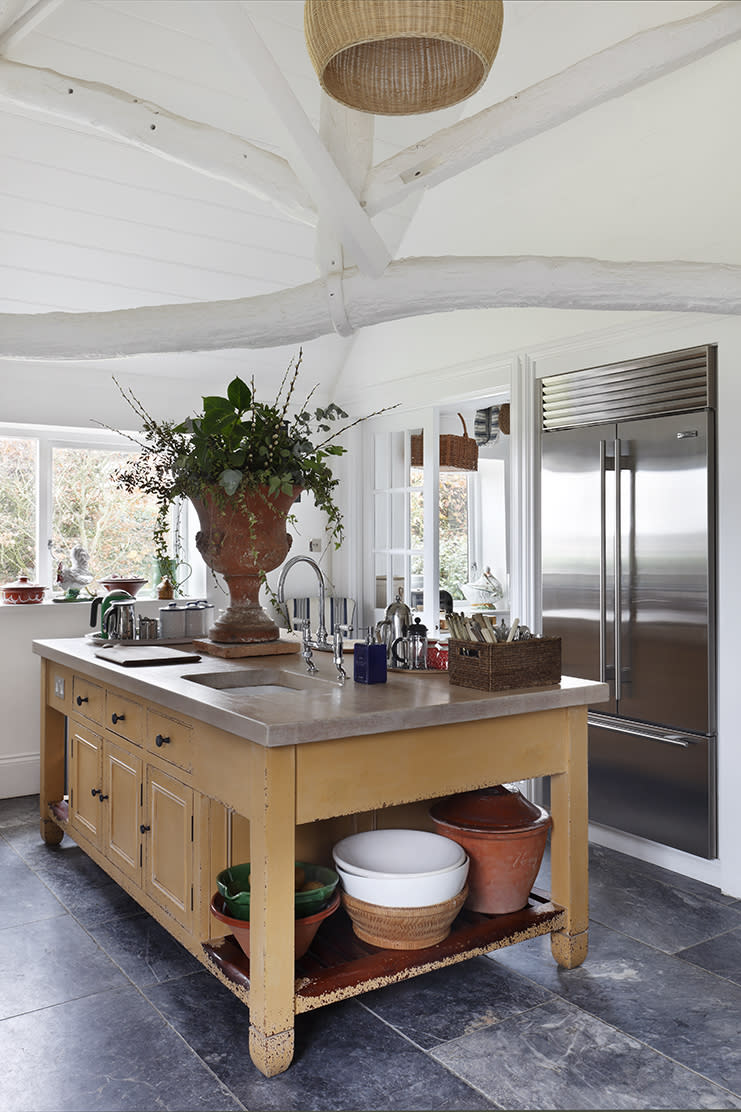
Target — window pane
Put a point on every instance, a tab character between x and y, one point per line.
115	528
17	508
454	562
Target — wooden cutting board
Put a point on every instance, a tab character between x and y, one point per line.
139	655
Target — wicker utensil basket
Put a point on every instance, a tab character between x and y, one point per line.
535	662
457	453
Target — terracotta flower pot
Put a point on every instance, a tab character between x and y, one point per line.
242	537
504	835
305	929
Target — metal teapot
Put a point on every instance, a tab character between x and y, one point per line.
105	602
398	616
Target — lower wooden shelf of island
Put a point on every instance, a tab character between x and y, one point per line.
339	964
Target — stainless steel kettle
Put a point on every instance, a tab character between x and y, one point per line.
105	602
119	623
398	616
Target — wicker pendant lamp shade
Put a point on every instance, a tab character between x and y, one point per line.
402	57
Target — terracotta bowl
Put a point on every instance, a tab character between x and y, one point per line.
403	928
130	584
305	929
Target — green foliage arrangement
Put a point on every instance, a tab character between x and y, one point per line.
239	443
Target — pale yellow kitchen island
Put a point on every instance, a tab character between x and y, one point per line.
166	774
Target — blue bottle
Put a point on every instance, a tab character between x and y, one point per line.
369	662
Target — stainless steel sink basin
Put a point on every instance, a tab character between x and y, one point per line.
254	681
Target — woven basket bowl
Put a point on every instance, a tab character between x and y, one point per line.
402	57
403	928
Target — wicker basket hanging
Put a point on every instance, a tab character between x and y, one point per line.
402	57
457	453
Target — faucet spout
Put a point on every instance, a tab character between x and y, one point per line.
321	633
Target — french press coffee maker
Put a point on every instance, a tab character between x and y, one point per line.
413	646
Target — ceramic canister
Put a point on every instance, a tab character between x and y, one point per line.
172	621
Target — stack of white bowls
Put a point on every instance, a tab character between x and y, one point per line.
401	868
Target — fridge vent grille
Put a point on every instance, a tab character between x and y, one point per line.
653	387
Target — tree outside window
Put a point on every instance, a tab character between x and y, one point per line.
18	514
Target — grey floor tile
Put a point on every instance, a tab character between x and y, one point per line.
658	874
144	950
107	1053
632	901
446	1003
81	885
721	955
574	1061
24	898
19	811
675	1007
48	962
344	1059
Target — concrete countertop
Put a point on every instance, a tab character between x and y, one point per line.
310	708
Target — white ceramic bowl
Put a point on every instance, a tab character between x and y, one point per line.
397	853
404	890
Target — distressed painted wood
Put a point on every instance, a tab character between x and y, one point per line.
611	73
278	794
324	181
131	119
52	753
409	288
26	22
569	841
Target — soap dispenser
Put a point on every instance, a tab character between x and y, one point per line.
369	661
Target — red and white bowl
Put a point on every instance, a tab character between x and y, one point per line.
22	591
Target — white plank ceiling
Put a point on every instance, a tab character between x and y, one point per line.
88	223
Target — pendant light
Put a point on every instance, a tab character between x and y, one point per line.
402	57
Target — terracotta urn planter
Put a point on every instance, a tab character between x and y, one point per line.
504	835
242	537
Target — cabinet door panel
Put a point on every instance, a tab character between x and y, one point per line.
168	853
122	777
86	783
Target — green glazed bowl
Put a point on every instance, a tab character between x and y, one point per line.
233	885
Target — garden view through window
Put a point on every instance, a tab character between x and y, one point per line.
67	496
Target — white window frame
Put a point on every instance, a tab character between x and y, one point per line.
50	437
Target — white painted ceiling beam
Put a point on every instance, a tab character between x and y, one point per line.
217	154
409	287
323	180
26	22
611	73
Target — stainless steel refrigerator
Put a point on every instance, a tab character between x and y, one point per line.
628	573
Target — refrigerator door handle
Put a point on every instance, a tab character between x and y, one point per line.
618	571
652	733
603	562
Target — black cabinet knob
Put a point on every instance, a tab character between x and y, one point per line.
95	791
143	829
159	741
102	797
117	718
82	699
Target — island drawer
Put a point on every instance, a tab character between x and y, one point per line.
88	699
124	716
169	739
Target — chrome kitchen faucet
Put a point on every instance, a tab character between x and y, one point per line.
321	643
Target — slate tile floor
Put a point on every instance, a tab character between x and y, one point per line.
101	1010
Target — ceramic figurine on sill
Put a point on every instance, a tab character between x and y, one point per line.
166	589
73	578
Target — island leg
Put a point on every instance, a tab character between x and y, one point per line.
52	764
272	856
569	844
